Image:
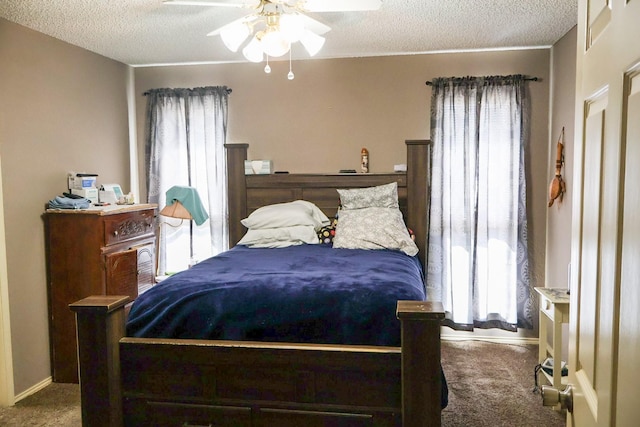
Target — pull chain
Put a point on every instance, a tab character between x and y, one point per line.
290	76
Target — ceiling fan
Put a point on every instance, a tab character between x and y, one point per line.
275	24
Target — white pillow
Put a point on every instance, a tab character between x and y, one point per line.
280	237
373	228
382	196
299	212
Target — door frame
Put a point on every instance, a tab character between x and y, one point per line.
7	393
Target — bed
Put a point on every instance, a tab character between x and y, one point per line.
388	377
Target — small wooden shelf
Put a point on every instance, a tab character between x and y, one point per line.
554	308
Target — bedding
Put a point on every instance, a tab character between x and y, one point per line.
298	212
380	196
307	293
284	224
369	218
326	234
280	237
373	228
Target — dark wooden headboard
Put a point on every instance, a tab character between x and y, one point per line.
248	192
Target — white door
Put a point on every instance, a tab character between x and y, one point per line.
604	338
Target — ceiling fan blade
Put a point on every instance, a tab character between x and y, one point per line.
314	25
244	19
340	5
210	3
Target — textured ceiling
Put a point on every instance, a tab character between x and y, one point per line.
144	32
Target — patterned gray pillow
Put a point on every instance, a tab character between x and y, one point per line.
382	196
373	228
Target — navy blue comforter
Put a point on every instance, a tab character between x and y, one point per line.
307	293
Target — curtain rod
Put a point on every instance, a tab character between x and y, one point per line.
229	90
530	79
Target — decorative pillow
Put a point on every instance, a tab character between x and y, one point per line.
373	228
280	237
299	212
326	234
382	196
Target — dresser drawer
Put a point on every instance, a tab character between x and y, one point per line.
126	226
159	414
546	307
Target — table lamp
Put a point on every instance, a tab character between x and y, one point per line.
184	203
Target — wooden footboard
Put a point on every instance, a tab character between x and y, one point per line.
135	381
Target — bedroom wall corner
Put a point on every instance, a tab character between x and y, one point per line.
62	109
562	108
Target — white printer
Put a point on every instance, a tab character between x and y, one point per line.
84	184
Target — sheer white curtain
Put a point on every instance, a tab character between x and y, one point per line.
477	262
186	133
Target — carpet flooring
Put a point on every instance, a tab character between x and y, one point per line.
57	405
489	385
492	385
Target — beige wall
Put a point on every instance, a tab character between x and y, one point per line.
320	121
62	109
558	250
563	91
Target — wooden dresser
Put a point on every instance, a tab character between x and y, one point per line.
98	251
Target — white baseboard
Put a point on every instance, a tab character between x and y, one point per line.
34	389
486	338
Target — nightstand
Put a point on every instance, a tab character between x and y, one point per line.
554	309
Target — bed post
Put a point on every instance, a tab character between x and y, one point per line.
236	190
418	191
100	325
421	372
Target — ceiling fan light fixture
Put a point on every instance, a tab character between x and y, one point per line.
312	42
281	23
274	43
292	27
253	50
234	35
